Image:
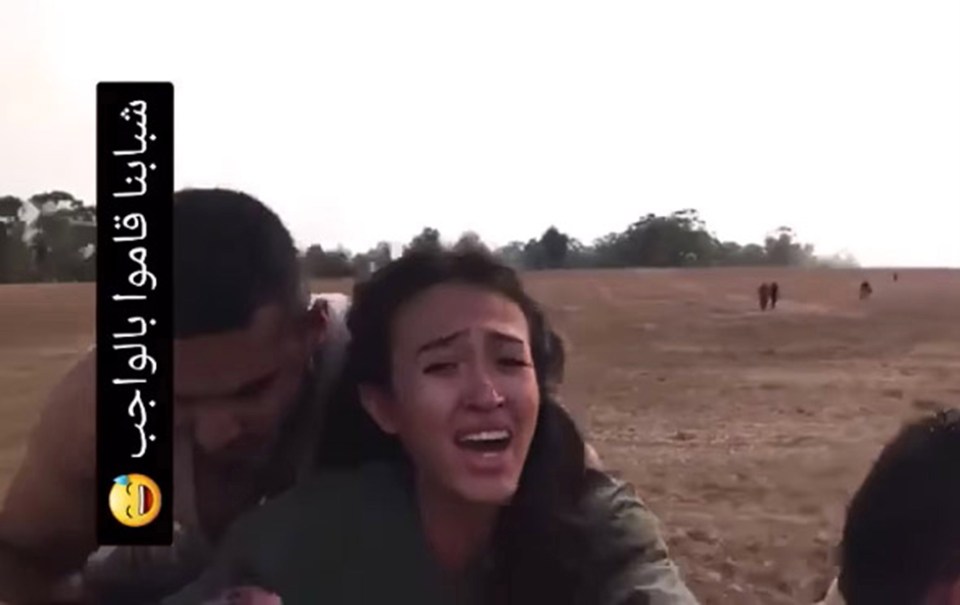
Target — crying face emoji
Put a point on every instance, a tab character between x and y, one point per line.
134	500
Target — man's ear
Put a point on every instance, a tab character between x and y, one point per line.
381	408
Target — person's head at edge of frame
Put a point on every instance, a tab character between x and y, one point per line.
901	540
243	334
452	371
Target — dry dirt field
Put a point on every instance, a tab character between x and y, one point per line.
746	432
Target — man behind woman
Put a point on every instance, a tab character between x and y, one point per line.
450	472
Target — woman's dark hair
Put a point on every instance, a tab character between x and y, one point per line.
537	540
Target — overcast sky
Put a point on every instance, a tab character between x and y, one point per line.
360	121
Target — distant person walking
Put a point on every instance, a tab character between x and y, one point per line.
896	277
763	294
865	290
774	294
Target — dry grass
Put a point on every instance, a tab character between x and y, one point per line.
745	432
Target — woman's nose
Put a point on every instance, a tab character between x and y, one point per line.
483	392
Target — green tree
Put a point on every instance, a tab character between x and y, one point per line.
782	248
313	261
512	254
318	264
428	239
367	262
10	208
65	228
554	246
58	244
470	240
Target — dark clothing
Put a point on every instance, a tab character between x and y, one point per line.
763	293
355	537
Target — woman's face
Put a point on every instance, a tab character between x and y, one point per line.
465	398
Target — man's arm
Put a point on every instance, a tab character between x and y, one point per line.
632	564
47	523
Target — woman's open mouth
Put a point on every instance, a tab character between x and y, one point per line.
488	441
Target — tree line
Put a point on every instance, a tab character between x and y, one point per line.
680	239
52	236
48	237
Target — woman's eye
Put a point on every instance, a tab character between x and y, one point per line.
514	362
440	367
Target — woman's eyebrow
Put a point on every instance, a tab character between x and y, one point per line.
441	342
507	338
444	341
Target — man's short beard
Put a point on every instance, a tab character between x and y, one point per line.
248	454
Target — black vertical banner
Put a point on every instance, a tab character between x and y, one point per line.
134	313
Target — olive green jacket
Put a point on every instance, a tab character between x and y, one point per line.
355	537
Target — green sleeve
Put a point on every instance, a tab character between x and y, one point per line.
337	537
631	562
263	547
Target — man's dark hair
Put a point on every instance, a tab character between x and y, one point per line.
902	533
231	256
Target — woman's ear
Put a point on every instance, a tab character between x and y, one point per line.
380	406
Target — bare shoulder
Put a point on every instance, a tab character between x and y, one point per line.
69	413
48	510
62	444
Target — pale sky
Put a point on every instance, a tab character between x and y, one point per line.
364	121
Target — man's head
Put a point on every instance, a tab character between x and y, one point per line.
243	333
901	542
